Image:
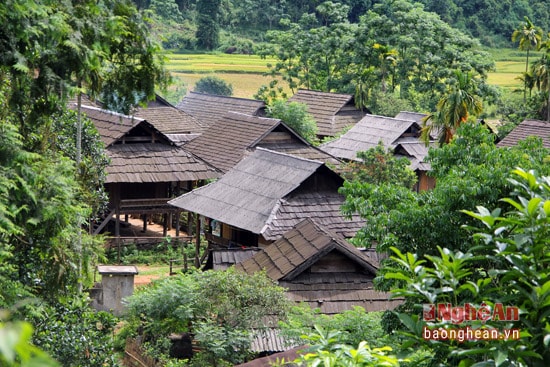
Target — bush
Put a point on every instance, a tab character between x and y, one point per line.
214	85
218	309
74	334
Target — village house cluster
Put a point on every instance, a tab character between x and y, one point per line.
262	196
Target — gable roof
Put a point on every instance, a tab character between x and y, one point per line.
209	108
268	192
170	120
342	280
245	196
227	141
110	125
416	152
154	162
141	162
368	132
525	129
298	249
325	106
413	116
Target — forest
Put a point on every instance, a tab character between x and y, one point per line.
481	236
492	22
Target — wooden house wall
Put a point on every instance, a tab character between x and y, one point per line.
123	191
334	262
425	182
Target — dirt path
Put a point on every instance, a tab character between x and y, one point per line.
147	273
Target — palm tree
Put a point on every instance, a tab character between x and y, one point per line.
529	37
542	73
453	109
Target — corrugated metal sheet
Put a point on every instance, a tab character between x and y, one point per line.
150	162
367	133
224	258
327	110
525	129
209	108
268	340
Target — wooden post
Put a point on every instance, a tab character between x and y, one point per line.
164	224
197	242
144	223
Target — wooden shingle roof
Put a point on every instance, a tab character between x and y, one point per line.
525	129
111	126
416	152
298	262
255	195
155	162
298	249
170	120
209	108
226	142
413	116
368	132
332	111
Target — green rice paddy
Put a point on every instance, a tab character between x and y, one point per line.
245	72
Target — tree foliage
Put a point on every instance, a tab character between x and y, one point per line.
469	171
327	350
379	166
219	309
507	263
296	116
213	85
396	46
208	27
453	109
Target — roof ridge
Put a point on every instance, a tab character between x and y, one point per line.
113	113
220	96
290	155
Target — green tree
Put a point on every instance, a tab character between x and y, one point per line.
542	74
213	85
296	116
507	264
219	308
453	109
208	27
469	171
327	350
529	37
395	45
16	347
380	166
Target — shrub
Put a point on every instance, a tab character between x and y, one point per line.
214	85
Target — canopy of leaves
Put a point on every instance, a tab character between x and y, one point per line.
219	308
507	263
396	46
213	85
469	171
380	166
296	116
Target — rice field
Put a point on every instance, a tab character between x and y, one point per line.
245	72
